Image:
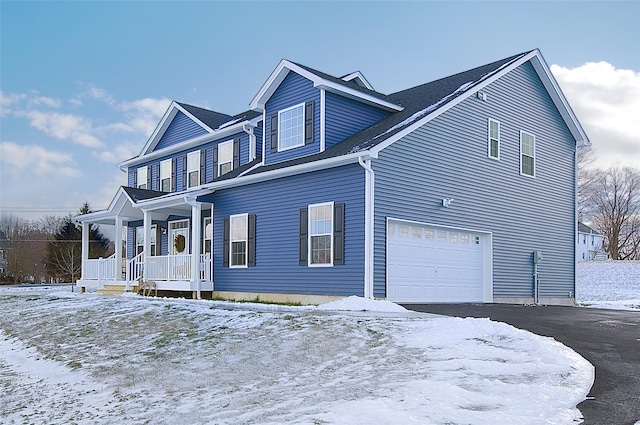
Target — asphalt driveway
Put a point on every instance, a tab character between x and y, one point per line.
609	339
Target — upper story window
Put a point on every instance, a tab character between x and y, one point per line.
494	139
165	175
193	169
225	157
291	127
141	178
527	154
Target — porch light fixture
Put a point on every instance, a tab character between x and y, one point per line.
446	202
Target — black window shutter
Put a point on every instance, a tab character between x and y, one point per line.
338	234
304	228
203	168
251	241
149	177
225	242
308	122
215	162
184	172
236	153
274	133
135	178
174	174
157	167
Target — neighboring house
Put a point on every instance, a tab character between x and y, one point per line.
327	188
589	244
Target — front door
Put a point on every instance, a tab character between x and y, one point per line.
179	259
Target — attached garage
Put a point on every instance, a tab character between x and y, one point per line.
436	264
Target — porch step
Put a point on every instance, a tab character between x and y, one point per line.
117	289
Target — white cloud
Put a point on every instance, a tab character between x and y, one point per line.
35	159
117	154
63	126
143	114
91	91
606	100
8	100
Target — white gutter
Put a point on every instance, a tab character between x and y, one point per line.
368	226
252	141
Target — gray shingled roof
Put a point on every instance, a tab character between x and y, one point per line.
215	120
141	194
586	229
417	101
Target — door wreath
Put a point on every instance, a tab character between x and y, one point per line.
178	243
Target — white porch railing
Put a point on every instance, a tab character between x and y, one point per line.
135	266
100	269
206	267
169	267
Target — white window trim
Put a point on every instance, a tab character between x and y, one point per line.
246	242
309	250
162	177
205	221
196	155
220	163
303	126
142	182
534	155
497	158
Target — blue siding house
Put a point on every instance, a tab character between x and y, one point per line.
458	190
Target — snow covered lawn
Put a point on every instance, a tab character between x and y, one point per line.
609	284
88	359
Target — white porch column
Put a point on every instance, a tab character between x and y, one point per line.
118	243
147	243
196	225
85	246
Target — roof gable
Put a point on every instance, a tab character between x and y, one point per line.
321	80
358	78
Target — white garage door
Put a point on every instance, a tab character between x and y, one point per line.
434	264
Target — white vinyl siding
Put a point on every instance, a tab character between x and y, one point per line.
239	225
165	176
527	154
321	234
225	157
493	148
291	127
142	177
193	169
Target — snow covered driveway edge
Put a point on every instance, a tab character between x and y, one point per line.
199	363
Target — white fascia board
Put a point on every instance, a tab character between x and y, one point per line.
187	144
479	86
288	171
358	75
115	206
193	118
172	200
553	88
283	68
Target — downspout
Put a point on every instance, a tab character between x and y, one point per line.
368	226
252	141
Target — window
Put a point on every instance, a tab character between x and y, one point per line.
225	157
142	177
494	139
291	127
320	234
193	169
208	236
239	233
152	240
527	154
165	175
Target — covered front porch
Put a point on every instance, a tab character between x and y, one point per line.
162	240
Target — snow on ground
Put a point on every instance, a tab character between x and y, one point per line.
88	359
609	284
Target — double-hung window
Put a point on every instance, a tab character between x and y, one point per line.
527	154
193	169
142	177
321	234
291	127
165	175
225	157
494	139
239	234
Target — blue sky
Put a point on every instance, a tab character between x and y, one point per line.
84	83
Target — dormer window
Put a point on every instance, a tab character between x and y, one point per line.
291	127
142	177
193	169
225	157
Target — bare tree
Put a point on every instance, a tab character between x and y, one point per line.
586	178
25	248
613	196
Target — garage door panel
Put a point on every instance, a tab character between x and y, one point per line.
430	264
